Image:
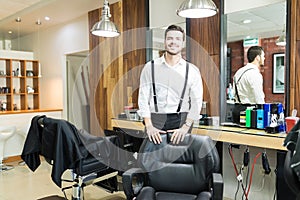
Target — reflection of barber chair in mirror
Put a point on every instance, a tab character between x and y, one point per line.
6	132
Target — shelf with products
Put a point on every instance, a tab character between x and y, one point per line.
19	84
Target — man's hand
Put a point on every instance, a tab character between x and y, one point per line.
154	134
179	134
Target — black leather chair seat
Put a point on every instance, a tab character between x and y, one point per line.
147	192
90	165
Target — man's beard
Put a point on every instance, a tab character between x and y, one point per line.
172	53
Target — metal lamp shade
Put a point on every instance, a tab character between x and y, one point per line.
197	9
105	28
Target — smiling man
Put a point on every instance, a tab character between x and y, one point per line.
171	90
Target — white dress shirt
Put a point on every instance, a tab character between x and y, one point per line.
169	83
250	86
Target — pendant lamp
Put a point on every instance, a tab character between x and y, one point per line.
197	9
105	28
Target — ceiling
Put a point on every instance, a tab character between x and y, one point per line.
266	21
30	11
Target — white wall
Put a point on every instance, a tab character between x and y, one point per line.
50	47
14	145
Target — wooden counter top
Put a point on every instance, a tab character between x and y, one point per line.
235	135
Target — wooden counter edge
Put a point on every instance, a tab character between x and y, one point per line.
219	135
243	138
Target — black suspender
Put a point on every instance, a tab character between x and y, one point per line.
235	85
153	86
184	87
183	91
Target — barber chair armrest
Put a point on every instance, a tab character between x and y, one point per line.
133	180
217	186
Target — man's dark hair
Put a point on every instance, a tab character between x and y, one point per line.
175	28
253	52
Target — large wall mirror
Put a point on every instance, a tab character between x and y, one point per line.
262	25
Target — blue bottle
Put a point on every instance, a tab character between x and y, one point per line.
260	119
280	120
267	114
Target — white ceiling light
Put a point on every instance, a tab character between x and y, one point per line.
105	28
246	21
197	9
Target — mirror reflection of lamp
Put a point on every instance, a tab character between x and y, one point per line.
197	9
281	41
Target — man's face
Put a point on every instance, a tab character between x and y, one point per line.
174	42
262	58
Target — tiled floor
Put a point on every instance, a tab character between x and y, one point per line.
21	183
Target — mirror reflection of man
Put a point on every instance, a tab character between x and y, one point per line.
248	80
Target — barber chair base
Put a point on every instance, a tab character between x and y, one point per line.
81	182
5	167
21	163
109	185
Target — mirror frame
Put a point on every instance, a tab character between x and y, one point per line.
287	57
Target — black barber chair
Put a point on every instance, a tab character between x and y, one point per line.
290	177
65	147
291	169
187	171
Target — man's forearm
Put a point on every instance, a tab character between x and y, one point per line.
147	121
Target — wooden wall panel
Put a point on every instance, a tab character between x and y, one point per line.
105	59
205	54
113	62
297	55
134	45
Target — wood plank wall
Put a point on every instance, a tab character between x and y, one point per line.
113	78
294	87
205	54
